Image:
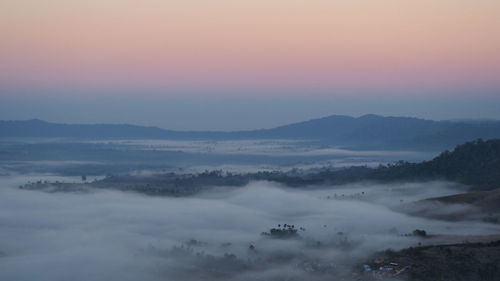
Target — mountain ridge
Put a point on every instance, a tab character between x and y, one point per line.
365	132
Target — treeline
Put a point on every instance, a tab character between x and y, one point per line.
475	163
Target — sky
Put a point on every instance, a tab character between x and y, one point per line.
226	64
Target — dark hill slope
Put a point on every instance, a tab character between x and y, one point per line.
475	163
457	262
488	201
480	206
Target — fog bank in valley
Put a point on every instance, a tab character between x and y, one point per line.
217	235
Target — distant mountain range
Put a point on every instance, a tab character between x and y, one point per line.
365	132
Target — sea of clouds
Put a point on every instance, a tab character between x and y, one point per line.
112	235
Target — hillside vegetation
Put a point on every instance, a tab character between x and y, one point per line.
459	262
476	164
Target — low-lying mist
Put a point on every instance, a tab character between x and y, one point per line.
111	235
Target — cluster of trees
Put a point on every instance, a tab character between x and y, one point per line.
286	231
419	233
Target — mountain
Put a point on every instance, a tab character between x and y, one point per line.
373	131
36	128
365	132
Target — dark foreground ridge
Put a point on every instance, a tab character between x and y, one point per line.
458	262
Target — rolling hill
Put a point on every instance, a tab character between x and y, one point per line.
365	132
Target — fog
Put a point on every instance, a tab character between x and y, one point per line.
278	147
111	235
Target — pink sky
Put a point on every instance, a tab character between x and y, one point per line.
285	46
